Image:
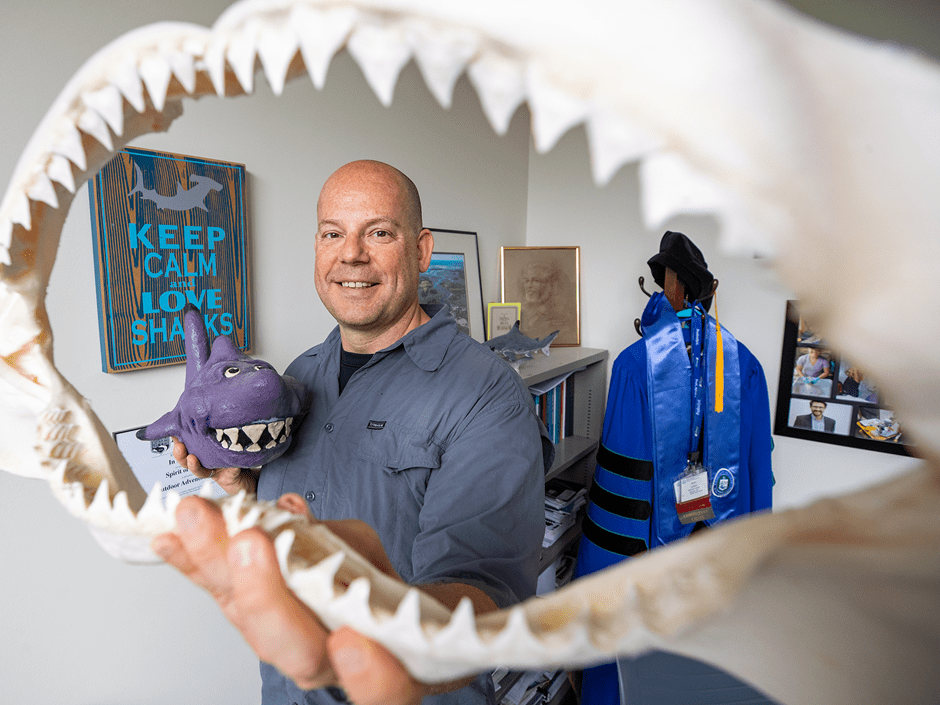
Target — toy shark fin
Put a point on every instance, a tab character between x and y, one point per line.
197	342
166	425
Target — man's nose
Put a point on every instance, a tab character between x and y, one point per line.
354	249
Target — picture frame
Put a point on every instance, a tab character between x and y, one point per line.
500	318
453	280
155	253
547	282
152	462
819	384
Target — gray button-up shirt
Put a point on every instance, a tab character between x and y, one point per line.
435	444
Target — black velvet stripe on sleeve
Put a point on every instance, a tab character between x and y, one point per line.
609	541
622	465
621	506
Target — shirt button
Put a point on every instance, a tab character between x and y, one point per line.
310	496
329	428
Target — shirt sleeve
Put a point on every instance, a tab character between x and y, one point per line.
483	517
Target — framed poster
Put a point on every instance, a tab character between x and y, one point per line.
826	397
546	280
168	230
453	280
153	463
500	318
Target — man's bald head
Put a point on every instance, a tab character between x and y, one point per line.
383	176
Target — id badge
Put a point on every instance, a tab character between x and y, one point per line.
693	500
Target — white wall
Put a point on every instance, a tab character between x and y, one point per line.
79	627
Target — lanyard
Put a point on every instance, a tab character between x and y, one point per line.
698	385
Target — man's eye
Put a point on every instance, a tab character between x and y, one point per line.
382	233
329	235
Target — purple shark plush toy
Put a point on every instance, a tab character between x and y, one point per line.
235	411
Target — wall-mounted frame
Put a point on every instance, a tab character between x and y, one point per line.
153	462
500	318
154	253
453	280
547	281
825	397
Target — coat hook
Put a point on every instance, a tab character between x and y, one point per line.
642	281
706	296
636	324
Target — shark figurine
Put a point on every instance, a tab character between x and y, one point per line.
516	348
235	411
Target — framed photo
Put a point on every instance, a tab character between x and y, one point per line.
168	230
500	318
453	280
826	397
153	462
547	282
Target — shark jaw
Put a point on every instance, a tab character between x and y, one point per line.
779	180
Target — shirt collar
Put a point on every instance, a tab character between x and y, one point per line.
426	345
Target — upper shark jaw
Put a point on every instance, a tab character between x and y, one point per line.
137	84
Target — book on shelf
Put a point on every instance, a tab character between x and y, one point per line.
553	402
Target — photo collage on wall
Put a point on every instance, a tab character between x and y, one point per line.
827	397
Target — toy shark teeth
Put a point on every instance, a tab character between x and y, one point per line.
254	437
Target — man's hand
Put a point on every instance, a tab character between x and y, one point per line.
242	575
232	480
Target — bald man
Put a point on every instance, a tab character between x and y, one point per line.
414	429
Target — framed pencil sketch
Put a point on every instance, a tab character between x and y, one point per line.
500	318
547	282
825	397
453	280
153	462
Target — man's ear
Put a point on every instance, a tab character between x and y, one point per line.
425	248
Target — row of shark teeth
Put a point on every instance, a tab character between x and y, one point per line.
157	65
255	437
343	589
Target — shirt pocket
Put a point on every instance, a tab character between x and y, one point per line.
396	448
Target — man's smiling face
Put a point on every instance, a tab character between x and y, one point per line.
370	248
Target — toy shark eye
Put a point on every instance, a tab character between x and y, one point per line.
260	367
231	371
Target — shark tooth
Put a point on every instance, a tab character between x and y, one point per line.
406	622
353	605
43	190
316	584
153	512
441	54
206	491
232	434
276	49
517	637
123	74
671	186
232	507
91	123
381	52
554	111
108	103
275	428
156	74
460	634
20	210
6	237
60	171
214	62
614	142
283	543
500	85
241	54
172	502
321	33
182	66
250	520
121	513
68	143
101	505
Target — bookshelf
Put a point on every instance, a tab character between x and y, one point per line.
574	454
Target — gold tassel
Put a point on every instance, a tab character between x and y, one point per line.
719	362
